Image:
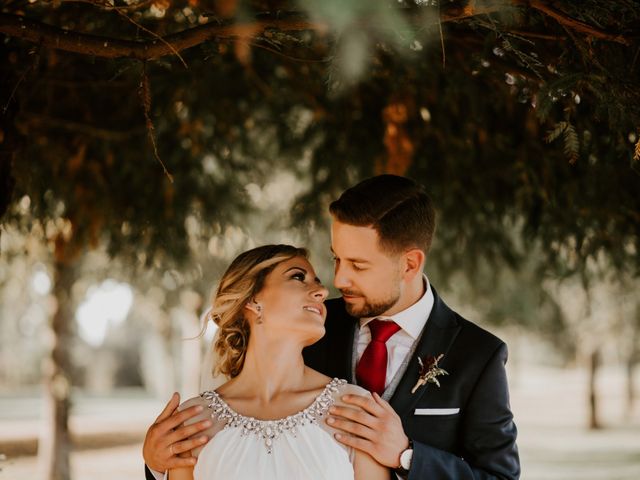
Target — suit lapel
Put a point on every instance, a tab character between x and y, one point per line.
346	345
341	345
438	336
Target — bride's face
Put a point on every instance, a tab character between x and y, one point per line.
292	301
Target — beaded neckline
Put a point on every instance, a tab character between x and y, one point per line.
270	430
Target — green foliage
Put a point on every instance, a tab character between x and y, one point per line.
571	143
478	93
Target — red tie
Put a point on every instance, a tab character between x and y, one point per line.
371	371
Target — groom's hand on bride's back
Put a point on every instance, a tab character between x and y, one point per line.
168	437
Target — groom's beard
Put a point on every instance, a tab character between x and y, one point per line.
371	308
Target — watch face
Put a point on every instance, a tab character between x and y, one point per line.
405	458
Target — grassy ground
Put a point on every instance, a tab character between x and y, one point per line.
549	405
551	414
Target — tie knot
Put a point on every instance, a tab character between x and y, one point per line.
382	330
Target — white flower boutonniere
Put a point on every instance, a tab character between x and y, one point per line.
429	371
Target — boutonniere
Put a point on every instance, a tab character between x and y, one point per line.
429	371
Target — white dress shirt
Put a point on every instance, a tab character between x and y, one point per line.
411	321
158	475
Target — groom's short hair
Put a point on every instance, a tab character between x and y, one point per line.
398	208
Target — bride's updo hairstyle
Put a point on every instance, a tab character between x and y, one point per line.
242	281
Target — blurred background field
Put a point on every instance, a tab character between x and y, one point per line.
549	405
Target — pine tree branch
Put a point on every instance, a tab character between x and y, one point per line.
564	19
35	120
104	5
540	36
108	47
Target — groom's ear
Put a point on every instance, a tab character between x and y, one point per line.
413	263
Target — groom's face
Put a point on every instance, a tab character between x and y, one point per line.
369	278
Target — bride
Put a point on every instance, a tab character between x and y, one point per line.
268	420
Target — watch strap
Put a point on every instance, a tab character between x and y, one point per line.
400	470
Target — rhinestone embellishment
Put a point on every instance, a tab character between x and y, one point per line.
270	430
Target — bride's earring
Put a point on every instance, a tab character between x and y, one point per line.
259	320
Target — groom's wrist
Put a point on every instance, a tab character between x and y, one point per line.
402	470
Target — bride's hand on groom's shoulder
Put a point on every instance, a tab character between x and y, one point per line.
168	442
372	426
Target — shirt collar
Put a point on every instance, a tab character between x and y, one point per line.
413	319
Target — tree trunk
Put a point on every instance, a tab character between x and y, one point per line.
10	139
191	345
594	364
631	394
632	361
55	443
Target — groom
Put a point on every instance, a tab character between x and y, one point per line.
440	400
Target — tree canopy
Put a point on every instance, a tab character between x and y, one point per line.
126	117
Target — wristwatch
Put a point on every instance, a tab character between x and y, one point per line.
405	461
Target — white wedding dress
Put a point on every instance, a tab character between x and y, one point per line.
300	446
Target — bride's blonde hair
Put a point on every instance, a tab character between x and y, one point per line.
242	281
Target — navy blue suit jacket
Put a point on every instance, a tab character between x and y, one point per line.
479	442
